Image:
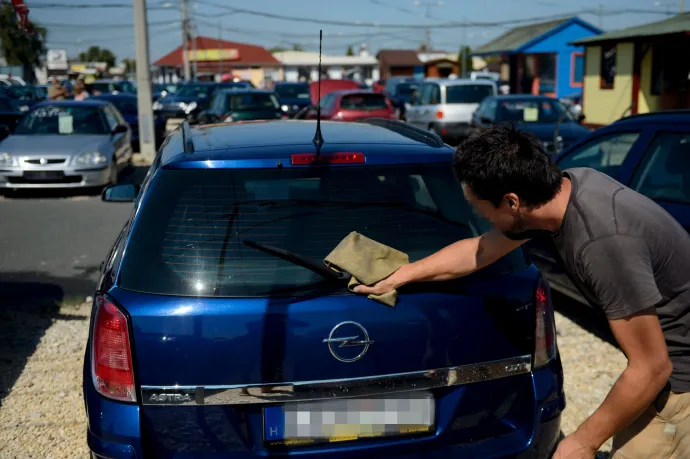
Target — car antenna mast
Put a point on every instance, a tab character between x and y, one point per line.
318	138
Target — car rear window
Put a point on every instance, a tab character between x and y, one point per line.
468	93
189	236
253	101
363	102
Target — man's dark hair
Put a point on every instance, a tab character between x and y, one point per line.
503	159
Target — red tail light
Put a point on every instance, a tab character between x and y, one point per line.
439	114
111	354
302	159
545	332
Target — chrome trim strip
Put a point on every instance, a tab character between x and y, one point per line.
335	388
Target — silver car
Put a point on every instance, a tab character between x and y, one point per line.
446	106
66	144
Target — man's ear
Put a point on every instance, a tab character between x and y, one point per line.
512	200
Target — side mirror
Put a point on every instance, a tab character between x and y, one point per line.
120	129
120	193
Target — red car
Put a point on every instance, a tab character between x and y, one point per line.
379	85
354	106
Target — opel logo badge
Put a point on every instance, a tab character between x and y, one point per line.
43	161
343	336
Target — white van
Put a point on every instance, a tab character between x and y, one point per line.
446	106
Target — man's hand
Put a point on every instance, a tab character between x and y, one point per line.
380	288
571	448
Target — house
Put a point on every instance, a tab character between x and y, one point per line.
439	64
211	58
637	70
540	58
399	63
303	66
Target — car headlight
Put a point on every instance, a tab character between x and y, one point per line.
284	108
90	159
157	106
23	108
7	160
228	119
188	108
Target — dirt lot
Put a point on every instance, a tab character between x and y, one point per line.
42	346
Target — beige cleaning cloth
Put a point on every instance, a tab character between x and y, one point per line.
368	261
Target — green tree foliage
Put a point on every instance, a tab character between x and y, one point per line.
350	51
18	47
98	54
130	65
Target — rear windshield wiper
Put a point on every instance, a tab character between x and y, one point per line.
300	260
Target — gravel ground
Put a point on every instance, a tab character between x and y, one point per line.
41	408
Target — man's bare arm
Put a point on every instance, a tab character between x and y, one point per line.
649	367
456	260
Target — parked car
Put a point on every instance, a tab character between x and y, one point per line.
9	117
242	105
163	90
111	87
215	317
327	87
293	96
446	106
649	153
189	100
126	104
66	144
401	93
21	97
379	85
41	91
353	105
543	116
574	104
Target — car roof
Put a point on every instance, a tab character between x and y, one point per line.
661	117
269	140
243	89
461	82
348	92
521	97
73	103
198	83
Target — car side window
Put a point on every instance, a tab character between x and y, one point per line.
218	104
605	153
490	109
110	118
327	101
424	94
434	94
664	174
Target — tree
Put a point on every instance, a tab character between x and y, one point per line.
130	66
96	54
350	51
18	47
465	60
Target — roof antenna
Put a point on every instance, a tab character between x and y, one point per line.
318	138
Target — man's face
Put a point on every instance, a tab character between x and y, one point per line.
507	217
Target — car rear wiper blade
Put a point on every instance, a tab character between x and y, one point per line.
300	260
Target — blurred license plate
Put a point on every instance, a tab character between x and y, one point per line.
44	175
348	419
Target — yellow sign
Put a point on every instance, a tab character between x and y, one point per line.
201	55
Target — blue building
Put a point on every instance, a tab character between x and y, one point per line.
540	59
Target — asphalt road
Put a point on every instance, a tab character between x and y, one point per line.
52	244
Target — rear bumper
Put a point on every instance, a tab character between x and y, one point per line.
116	431
453	130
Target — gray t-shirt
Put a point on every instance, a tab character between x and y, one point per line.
625	253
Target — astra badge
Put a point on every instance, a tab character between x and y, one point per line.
345	335
175	398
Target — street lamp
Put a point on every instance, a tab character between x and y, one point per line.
428	5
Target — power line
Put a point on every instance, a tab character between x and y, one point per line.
105	25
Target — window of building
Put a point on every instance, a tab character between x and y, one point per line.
577	69
608	66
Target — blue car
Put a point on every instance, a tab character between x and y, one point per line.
293	97
126	104
218	331
649	153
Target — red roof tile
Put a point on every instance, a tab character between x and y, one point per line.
399	57
249	55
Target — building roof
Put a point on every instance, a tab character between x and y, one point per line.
514	40
676	24
248	55
305	58
399	57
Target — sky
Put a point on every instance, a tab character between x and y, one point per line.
75	29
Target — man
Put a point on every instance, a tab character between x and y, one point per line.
623	251
56	91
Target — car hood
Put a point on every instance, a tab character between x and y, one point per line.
568	131
51	144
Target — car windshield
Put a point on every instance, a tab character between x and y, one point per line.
62	120
406	89
189	237
124	105
5	105
293	91
531	111
169	88
363	102
196	90
468	93
253	101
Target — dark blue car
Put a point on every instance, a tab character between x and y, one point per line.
126	104
293	97
649	153
218	331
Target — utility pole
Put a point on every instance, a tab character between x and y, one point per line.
681	7
185	41
147	141
196	58
428	5
463	70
